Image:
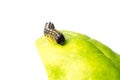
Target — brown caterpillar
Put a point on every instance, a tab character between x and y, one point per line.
50	31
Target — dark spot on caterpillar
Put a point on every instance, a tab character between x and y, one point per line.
50	31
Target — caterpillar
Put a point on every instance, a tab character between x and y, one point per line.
50	31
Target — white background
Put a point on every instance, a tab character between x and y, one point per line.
22	22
